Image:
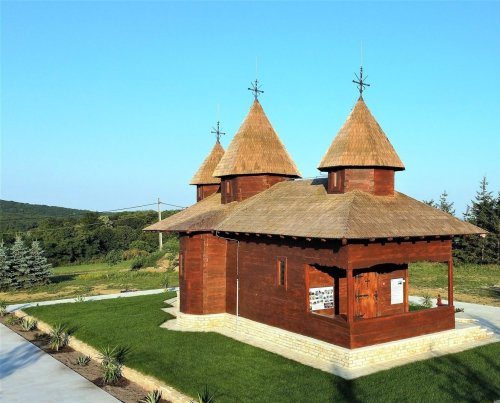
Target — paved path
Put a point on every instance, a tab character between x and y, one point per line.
15	307
487	316
27	374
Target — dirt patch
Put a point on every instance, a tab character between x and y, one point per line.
124	390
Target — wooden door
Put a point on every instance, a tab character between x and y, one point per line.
366	295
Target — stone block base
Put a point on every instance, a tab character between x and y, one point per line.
348	363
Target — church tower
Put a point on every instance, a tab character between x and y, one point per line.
206	183
256	159
361	156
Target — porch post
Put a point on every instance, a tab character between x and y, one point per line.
350	295
450	282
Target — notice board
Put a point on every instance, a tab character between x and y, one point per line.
320	298
397	291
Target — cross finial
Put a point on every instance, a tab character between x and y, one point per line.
255	89
360	82
217	132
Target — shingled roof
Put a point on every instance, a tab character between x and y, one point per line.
303	208
256	149
204	175
361	142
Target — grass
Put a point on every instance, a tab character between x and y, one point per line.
91	279
472	283
239	372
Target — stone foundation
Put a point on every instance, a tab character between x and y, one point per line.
329	357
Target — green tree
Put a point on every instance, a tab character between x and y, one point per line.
4	267
445	205
19	269
484	213
39	269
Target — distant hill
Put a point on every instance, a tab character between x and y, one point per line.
23	216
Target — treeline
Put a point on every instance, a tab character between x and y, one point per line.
91	236
483	211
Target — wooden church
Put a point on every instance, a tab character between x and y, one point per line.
326	258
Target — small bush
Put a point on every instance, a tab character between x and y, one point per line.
12	320
3	308
206	396
82	360
112	360
138	263
427	301
58	337
133	254
28	324
152	397
143	246
114	257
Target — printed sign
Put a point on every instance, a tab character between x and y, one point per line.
320	298
397	291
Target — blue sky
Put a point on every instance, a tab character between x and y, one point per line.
110	104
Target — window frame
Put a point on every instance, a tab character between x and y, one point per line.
182	271
282	261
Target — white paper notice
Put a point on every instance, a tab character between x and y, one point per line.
397	291
320	298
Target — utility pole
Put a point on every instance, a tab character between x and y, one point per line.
160	235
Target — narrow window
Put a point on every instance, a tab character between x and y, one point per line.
281	272
228	188
200	193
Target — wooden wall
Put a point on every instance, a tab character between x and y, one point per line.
377	181
203	279
203	191
260	298
238	188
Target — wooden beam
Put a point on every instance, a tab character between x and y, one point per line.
308	239
450	282
282	236
344	241
406	238
372	239
390	239
323	240
350	295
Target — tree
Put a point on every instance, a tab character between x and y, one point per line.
4	267
19	269
445	205
484	212
39	270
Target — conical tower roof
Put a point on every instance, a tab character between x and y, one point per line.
361	142
256	149
204	176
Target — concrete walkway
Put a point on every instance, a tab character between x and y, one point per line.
14	307
27	374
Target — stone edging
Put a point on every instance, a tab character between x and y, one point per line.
147	382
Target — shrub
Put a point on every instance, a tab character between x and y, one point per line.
206	396
82	360
142	245
12	320
152	397
427	301
58	337
138	263
114	257
111	363
3	308
28	324
133	253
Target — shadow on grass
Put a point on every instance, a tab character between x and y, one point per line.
62	278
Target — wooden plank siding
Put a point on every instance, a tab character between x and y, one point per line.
239	188
203	191
376	181
203	284
210	273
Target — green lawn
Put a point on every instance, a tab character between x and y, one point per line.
242	373
91	279
472	282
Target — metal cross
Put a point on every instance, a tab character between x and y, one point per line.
360	82
256	89
217	132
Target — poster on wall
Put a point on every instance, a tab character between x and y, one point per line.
397	291
320	298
